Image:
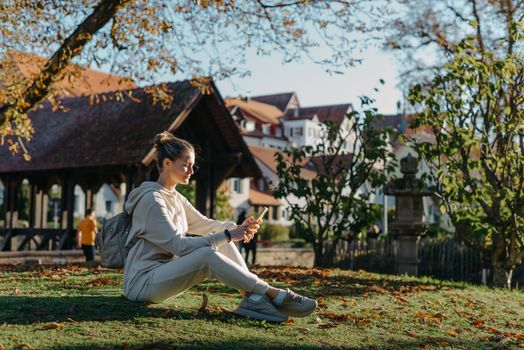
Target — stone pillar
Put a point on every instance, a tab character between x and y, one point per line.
410	223
407	259
38	208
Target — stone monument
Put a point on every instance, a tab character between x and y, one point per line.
410	223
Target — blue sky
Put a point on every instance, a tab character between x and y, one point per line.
316	87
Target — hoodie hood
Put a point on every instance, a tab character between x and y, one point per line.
140	191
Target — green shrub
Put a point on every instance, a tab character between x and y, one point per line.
274	233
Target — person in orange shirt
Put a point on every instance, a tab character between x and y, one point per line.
85	235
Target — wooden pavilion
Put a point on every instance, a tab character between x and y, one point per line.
110	142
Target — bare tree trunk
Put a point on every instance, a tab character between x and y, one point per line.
70	48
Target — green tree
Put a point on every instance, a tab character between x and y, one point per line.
145	39
335	204
475	108
223	210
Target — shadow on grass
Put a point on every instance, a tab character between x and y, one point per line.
246	343
321	282
23	310
27	310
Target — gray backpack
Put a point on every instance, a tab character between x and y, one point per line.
111	241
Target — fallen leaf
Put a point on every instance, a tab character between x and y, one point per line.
412	334
442	343
102	281
204	303
166	313
328	325
477	323
71	320
521	345
53	325
452	333
289	322
25	346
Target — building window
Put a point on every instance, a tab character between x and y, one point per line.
278	132
250	126
266	129
275	213
285	213
237	185
299	131
291	132
261	185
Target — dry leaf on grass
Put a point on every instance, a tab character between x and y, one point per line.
289	323
412	334
204	303
24	346
102	281
53	325
166	313
442	343
452	333
328	325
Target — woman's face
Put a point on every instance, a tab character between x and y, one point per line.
181	169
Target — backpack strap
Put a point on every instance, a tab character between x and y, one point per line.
132	242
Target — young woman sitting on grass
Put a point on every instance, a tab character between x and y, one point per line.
165	261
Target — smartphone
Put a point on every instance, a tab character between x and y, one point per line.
263	213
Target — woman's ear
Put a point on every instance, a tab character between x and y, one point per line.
166	163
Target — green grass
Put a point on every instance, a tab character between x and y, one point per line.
78	308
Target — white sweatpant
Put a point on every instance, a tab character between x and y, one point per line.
225	264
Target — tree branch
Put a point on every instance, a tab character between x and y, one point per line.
70	48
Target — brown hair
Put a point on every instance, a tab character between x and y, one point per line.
171	147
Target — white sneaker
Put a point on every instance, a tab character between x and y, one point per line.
296	305
260	309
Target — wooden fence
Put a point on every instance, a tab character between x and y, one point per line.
447	260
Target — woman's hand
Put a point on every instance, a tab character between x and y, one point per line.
254	226
246	231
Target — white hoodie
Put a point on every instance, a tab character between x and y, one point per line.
161	218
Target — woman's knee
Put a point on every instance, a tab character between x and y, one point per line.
207	255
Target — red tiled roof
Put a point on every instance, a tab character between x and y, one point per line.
267	157
260	198
263	112
334	113
281	101
78	81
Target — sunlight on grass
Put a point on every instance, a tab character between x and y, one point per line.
78	308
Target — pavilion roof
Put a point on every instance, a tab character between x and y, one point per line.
119	130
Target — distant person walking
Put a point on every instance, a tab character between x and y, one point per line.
85	235
240	219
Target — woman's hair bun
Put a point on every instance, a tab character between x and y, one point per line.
162	138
